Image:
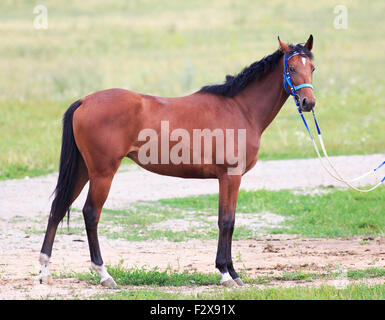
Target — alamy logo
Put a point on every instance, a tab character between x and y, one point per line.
341	19
195	149
41	19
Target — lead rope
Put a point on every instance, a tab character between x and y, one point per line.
289	85
339	176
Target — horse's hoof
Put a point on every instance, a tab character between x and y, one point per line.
108	283
239	282
229	283
46	280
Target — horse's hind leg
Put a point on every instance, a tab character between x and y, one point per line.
99	188
53	222
228	194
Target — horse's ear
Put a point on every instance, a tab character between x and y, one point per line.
283	46
309	43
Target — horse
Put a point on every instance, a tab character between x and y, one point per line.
101	129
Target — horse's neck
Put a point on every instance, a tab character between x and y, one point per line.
263	99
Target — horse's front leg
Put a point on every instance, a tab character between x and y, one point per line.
228	194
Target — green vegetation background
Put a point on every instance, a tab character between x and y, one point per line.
172	48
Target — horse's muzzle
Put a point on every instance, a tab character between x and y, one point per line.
307	105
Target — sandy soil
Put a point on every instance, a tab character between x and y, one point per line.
27	200
258	257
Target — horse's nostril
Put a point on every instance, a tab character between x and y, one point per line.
304	101
313	104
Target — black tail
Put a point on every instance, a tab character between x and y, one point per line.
68	168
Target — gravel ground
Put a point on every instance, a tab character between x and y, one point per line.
31	197
25	203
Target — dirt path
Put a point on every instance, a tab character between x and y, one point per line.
29	197
268	256
26	200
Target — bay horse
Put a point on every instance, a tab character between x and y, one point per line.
102	128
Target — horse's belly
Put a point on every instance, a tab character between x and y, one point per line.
197	171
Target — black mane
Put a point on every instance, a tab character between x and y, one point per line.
235	84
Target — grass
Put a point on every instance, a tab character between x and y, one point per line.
135	276
332	213
142	277
338	213
165	49
155	279
352	292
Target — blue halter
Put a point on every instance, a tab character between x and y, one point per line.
287	83
292	90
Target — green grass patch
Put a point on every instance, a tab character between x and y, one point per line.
301	276
351	292
155	278
135	276
143	277
366	273
164	49
135	223
338	213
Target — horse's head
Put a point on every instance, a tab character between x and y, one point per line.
299	68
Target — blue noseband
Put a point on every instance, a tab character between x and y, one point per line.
303	86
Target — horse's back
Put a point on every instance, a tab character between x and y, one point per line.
108	125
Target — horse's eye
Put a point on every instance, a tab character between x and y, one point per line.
313	69
291	69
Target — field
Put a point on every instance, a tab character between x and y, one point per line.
290	243
166	50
